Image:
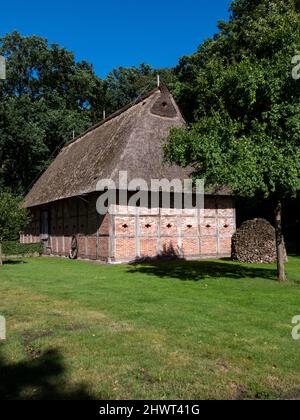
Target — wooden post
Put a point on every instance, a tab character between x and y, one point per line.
281	274
1	259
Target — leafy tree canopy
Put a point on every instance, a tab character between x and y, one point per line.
47	96
13	219
245	104
125	85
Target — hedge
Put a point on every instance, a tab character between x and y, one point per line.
11	248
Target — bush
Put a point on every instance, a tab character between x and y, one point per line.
11	248
13	218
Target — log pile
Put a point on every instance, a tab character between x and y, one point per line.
254	242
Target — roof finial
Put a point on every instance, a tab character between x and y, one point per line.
158	81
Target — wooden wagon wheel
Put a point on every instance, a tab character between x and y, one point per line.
74	249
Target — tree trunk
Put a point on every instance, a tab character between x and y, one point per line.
1	259
280	247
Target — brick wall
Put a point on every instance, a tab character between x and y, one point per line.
136	232
68	218
191	233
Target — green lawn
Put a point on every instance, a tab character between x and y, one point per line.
174	330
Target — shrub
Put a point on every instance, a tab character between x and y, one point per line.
13	218
12	248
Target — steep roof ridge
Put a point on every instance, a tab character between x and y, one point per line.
136	127
129	140
116	114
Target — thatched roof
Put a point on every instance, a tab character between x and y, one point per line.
130	140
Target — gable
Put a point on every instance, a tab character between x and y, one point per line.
130	140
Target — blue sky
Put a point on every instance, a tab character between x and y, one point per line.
116	33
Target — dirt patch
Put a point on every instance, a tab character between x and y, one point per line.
223	367
293	396
32	351
239	392
74	327
145	377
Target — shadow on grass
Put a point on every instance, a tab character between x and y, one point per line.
200	270
18	380
14	262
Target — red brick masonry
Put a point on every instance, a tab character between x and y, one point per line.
134	233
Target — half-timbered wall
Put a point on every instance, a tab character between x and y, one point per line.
139	233
134	233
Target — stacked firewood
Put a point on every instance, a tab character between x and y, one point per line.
255	242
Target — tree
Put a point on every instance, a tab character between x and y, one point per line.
246	107
13	218
125	85
45	97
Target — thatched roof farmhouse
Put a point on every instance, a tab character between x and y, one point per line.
63	201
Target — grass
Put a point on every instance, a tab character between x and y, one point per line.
174	330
